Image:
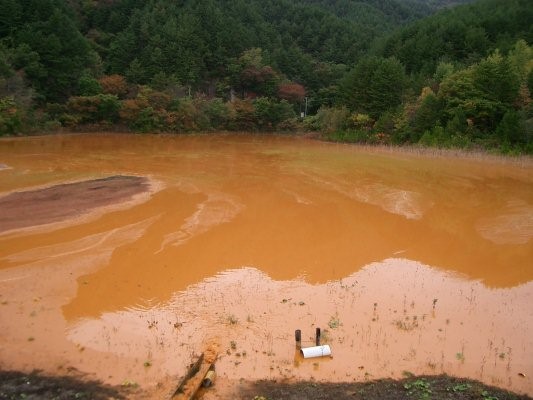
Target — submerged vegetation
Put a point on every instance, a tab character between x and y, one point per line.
369	71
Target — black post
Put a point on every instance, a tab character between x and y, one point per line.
318	336
298	337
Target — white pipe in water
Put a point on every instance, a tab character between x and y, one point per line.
316	351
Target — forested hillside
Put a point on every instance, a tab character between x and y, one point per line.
438	4
464	34
359	65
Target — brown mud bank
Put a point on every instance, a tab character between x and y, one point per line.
23	209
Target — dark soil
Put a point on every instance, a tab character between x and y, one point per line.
17	385
415	388
60	202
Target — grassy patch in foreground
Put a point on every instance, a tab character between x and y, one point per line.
414	387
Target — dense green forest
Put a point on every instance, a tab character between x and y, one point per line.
434	72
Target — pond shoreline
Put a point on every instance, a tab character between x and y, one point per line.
408	149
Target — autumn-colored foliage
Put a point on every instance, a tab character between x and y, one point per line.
253	75
291	92
158	100
131	109
83	105
91	109
242	115
114	84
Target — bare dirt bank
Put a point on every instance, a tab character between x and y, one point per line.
60	202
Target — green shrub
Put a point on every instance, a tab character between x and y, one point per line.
385	123
68	120
108	107
147	121
269	112
88	86
52	125
290	125
10	117
511	128
311	123
350	136
332	119
217	112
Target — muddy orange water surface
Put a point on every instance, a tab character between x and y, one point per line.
406	262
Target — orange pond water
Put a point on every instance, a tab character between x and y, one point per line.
407	263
